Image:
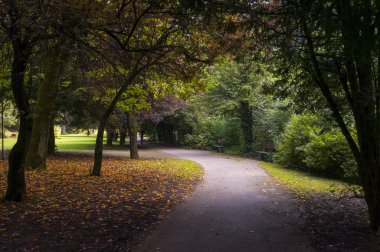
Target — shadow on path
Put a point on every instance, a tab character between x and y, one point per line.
238	208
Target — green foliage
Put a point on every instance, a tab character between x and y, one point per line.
215	131
310	143
270	123
133	99
330	154
10	119
233	103
235	82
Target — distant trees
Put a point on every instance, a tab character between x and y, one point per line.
237	91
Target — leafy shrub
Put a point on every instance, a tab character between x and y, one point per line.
308	143
196	141
215	131
291	145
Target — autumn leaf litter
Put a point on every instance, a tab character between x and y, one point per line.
69	210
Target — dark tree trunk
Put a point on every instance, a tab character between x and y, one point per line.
142	137
2	128
98	157
362	92
43	109
51	143
96	170
246	126
110	136
155	134
16	190
116	135
132	127
122	137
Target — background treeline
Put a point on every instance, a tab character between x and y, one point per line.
238	113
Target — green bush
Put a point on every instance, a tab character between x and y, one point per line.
291	145
215	131
308	143
329	154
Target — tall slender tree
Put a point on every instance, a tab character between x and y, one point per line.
332	46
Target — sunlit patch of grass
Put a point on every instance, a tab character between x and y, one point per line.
75	142
9	142
304	183
66	142
185	169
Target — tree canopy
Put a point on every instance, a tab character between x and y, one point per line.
255	62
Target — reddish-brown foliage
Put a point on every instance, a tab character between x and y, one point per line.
68	210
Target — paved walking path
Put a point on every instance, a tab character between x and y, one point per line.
238	208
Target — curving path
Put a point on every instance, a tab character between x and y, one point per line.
238	208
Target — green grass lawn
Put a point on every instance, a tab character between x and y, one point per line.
65	142
75	142
9	142
304	183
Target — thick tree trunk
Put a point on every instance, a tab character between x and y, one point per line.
132	127
16	190
246	126
362	96
43	109
51	142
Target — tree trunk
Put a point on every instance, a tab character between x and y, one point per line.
122	137
116	135
142	137
43	109
155	134
362	96
51	142
96	170
246	126
110	136
2	128
63	129
132	127
98	157
16	190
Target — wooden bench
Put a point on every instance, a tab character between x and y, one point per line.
219	148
